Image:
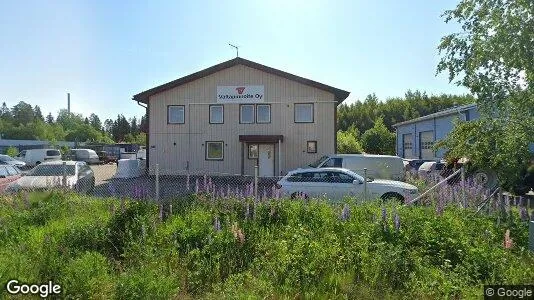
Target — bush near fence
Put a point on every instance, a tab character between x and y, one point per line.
201	246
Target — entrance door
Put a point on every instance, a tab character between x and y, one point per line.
266	159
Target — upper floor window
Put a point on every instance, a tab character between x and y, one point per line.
303	112
216	114
176	114
246	113
263	113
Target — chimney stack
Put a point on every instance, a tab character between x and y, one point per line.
68	103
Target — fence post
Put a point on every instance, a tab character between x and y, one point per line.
157	182
464	198
64	178
531	236
365	184
256	172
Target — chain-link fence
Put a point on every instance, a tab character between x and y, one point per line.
129	178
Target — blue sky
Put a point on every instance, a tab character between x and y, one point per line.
103	52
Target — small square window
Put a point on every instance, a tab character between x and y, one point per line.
303	112
216	114
246	114
175	114
263	113
311	147
253	151
214	150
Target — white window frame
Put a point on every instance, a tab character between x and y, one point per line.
241	113
311	105
258	115
211	113
179	107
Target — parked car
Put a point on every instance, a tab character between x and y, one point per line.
106	157
87	155
378	166
429	167
8	174
33	157
413	163
8	160
78	175
337	183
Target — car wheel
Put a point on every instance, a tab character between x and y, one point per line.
299	195
392	196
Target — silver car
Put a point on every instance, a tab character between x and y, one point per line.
8	160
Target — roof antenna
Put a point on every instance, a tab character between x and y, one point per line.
236	49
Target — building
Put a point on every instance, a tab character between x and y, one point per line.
236	114
416	137
32	144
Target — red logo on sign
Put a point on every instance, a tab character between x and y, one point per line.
240	90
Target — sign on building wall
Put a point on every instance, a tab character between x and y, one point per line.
240	94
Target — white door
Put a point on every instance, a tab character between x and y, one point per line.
266	159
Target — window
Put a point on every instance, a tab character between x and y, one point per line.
333	163
337	177
263	112
175	114
253	151
246	114
214	150
216	114
12	170
304	113
53	153
311	146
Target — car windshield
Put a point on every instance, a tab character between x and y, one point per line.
360	178
52	170
318	162
6	158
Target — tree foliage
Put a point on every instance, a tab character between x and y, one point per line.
349	141
379	140
493	57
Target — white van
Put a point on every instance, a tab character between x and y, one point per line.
378	166
87	155
33	157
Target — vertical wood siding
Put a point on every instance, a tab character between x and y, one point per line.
178	146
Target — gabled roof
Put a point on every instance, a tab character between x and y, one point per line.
339	94
446	112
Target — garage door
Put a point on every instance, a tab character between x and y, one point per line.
407	145
426	141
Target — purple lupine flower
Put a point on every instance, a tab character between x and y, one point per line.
264	196
217	224
507	203
440	207
523	212
205	182
396	221
228	191
187	183
384	215
277	193
345	213
273	190
247	211
211	188
196	187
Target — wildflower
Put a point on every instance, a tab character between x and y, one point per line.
264	196
523	212
396	221
345	213
161	212
205	182
217	224
27	199
123	205
440	206
384	215
228	191
196	187
508	242
247	211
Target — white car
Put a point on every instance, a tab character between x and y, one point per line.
8	160
77	175
338	183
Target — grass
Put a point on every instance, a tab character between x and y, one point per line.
275	249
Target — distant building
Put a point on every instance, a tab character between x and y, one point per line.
32	144
416	137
